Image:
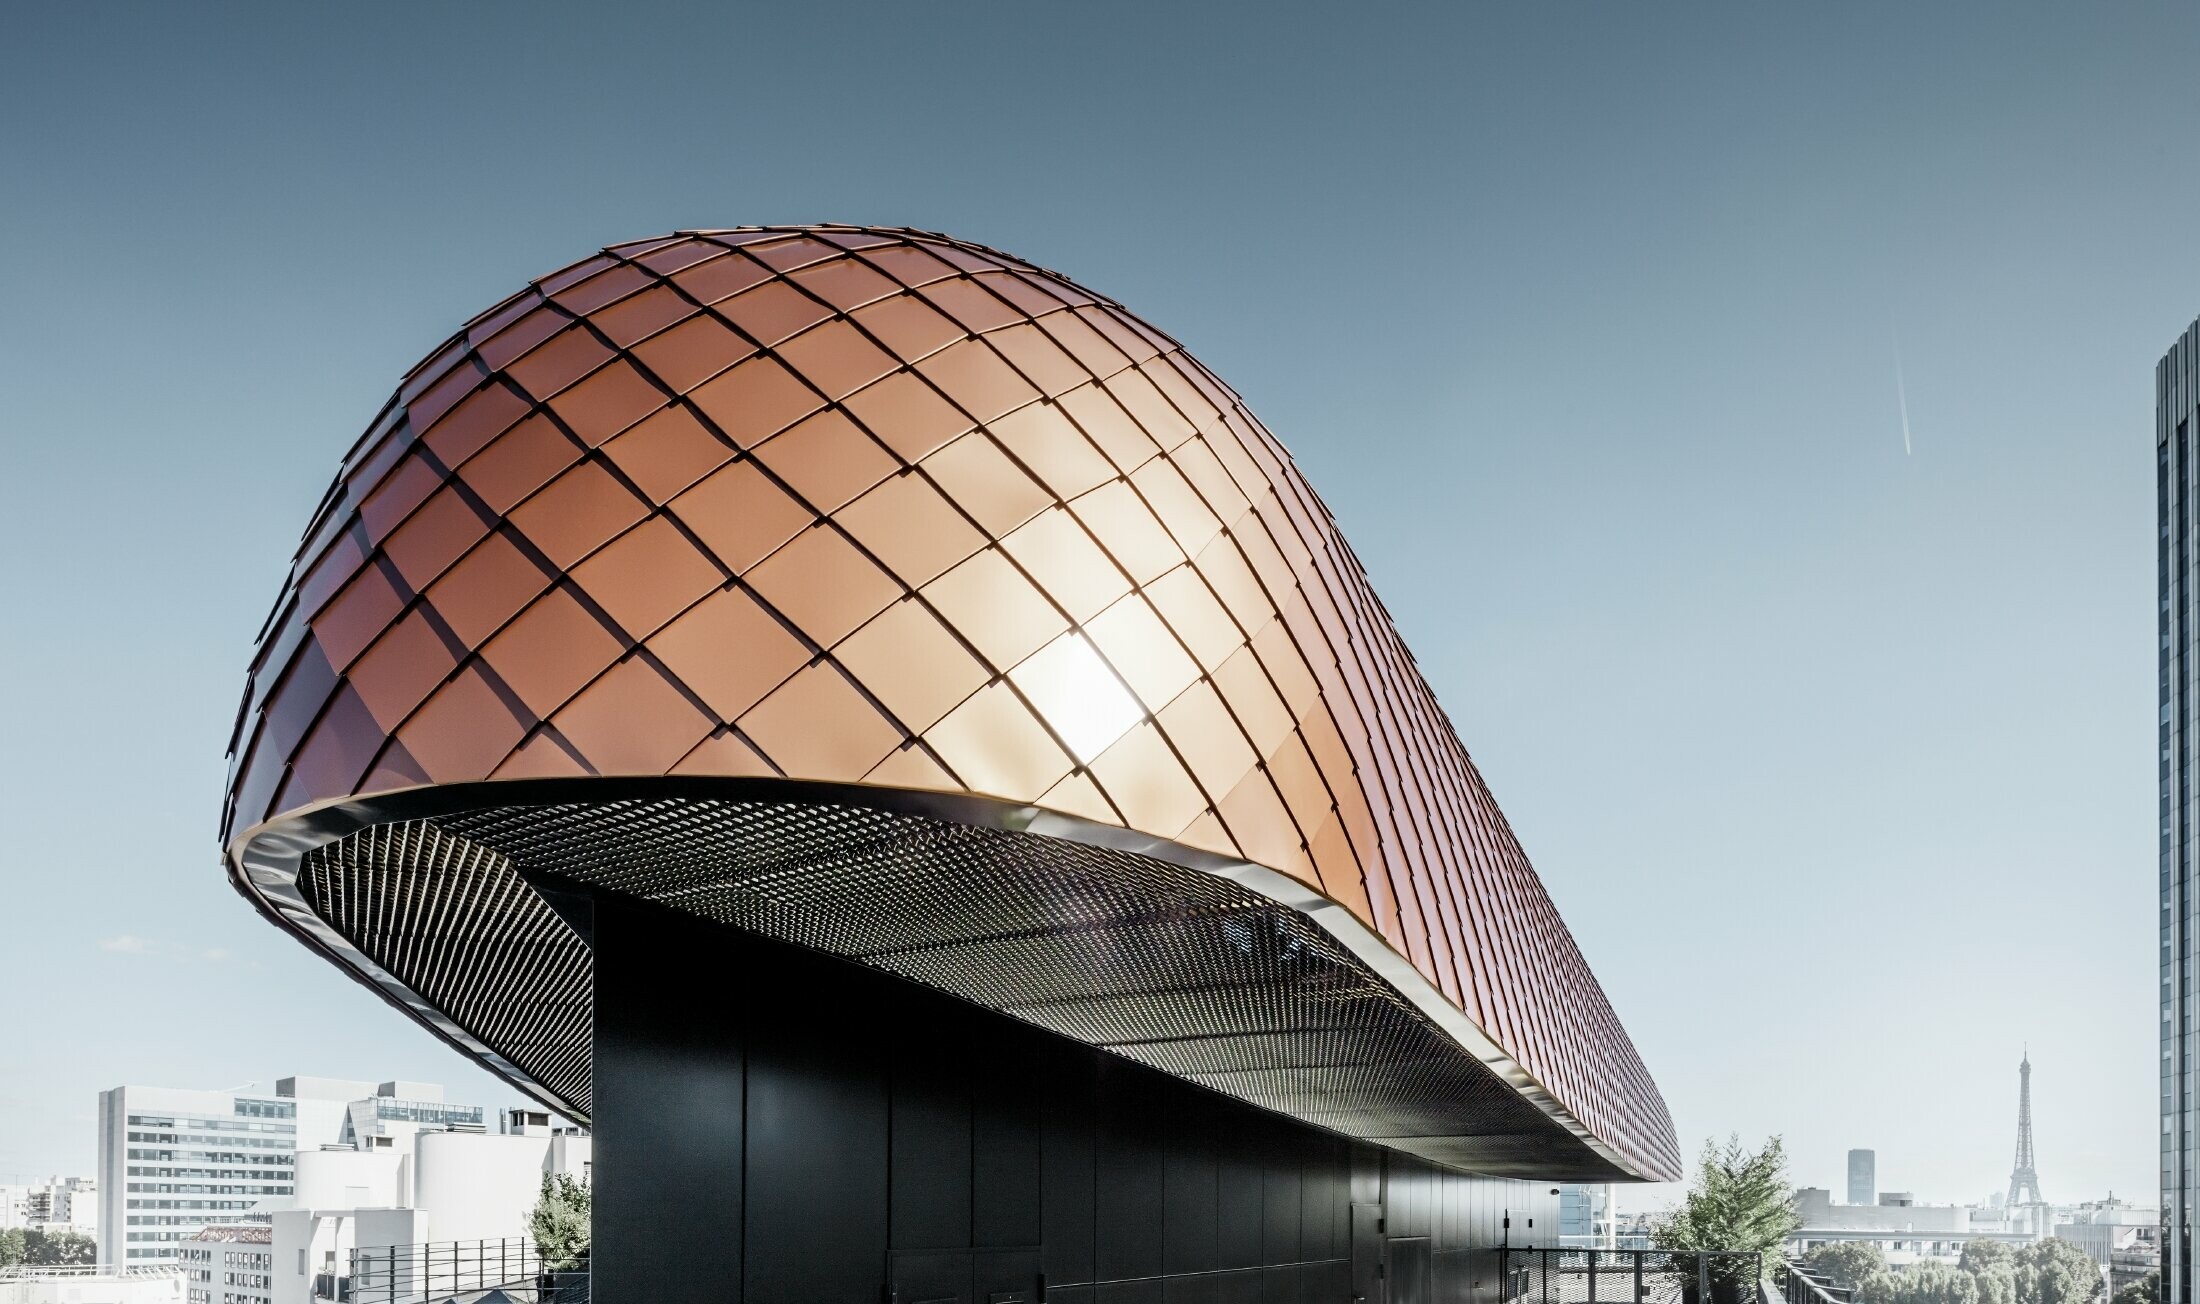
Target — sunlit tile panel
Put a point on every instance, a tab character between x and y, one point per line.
879	507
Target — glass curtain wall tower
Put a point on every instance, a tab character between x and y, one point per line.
1863	1177
2177	404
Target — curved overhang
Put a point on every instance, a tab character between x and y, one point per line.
1272	993
889	595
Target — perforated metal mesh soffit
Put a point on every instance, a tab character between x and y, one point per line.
1185	971
885	509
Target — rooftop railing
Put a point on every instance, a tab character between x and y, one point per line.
431	1273
44	1271
1580	1276
1800	1284
25	1283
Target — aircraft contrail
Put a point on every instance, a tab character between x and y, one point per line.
1902	397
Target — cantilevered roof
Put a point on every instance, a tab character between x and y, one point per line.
885	593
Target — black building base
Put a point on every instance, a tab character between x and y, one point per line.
778	1127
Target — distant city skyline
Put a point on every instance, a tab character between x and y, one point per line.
1807	1173
1583	322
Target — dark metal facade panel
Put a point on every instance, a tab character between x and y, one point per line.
957	1156
881	507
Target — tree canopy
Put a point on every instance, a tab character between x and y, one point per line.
2050	1271
2146	1290
38	1248
559	1222
1848	1263
1740	1200
2054	1271
1982	1256
1928	1282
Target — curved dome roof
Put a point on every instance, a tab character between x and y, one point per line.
777	509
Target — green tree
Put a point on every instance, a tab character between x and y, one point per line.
11	1247
560	1223
46	1249
2054	1271
1927	1282
2146	1290
1994	1266
1848	1263
1740	1201
1984	1256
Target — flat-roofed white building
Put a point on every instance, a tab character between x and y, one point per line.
228	1263
1904	1230
458	1188
59	1204
174	1160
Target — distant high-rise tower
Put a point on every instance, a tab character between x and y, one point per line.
2176	491
1863	1177
2024	1184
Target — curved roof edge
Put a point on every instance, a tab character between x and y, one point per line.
266	864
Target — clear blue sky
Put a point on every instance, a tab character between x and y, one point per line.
1584	319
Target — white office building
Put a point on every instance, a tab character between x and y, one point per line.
173	1160
456	1188
2120	1236
1905	1231
228	1263
399	1111
54	1204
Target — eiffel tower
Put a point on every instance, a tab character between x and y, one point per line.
2024	1184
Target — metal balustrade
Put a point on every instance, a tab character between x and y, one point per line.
1579	1276
447	1270
45	1271
29	1283
1801	1284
